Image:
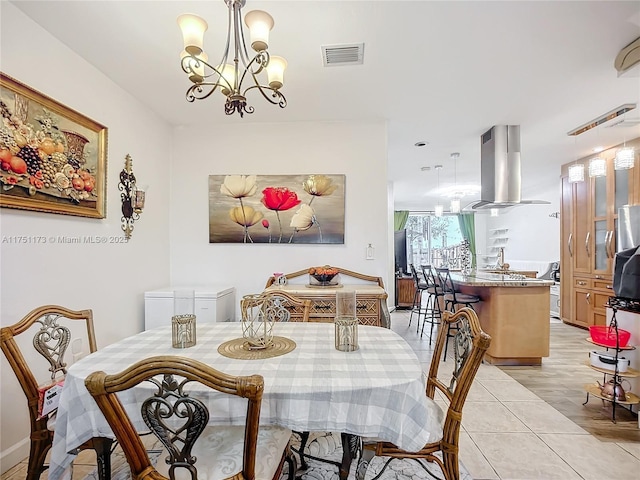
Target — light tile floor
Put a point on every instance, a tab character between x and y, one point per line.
508	433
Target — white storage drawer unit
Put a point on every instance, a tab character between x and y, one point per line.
212	304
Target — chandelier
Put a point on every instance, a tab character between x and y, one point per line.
237	72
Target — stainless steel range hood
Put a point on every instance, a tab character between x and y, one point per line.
500	170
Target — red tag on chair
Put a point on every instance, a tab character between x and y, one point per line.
49	397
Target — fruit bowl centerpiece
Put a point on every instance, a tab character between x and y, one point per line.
323	276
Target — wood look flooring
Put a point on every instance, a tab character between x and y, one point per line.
560	380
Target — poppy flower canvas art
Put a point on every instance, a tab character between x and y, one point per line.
282	209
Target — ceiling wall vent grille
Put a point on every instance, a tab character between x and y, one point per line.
346	54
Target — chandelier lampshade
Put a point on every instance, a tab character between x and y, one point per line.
260	24
237	72
597	167
576	173
625	158
193	28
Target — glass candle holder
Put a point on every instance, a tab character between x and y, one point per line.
346	321
183	331
257	324
346	334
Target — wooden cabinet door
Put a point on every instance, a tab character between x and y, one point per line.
581	308
566	249
581	240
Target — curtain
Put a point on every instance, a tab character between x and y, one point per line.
468	229
400	219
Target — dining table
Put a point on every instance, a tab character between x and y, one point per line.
376	391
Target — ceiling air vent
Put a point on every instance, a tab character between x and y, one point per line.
346	54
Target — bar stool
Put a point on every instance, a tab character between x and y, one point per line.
452	298
420	288
433	302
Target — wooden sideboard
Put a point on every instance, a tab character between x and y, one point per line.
371	297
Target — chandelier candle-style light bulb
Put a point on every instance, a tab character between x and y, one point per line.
625	158
597	167
576	173
238	71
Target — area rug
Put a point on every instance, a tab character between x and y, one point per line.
326	446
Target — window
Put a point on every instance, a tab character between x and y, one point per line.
433	240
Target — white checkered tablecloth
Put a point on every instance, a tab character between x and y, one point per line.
376	391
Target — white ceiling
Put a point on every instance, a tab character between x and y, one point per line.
441	72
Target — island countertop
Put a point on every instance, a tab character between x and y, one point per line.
483	279
514	311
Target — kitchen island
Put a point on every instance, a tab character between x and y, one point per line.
514	310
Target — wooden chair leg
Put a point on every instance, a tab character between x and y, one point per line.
451	468
37	454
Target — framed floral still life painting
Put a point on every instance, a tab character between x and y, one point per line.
52	159
283	209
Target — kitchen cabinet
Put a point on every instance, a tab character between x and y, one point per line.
589	215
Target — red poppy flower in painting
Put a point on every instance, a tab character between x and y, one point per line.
279	198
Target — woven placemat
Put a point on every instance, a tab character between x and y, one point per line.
238	348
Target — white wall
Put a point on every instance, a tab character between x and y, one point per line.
108	278
355	150
533	234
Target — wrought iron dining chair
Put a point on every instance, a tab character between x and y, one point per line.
178	418
53	328
452	298
471	343
420	287
433	302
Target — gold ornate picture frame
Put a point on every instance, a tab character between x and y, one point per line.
52	158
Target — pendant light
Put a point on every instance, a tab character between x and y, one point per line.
625	156
576	171
455	201
597	165
439	208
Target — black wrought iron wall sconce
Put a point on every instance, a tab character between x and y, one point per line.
132	197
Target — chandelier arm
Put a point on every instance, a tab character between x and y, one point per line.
260	58
278	98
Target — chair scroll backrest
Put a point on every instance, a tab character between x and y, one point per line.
50	340
170	374
470	345
287	307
